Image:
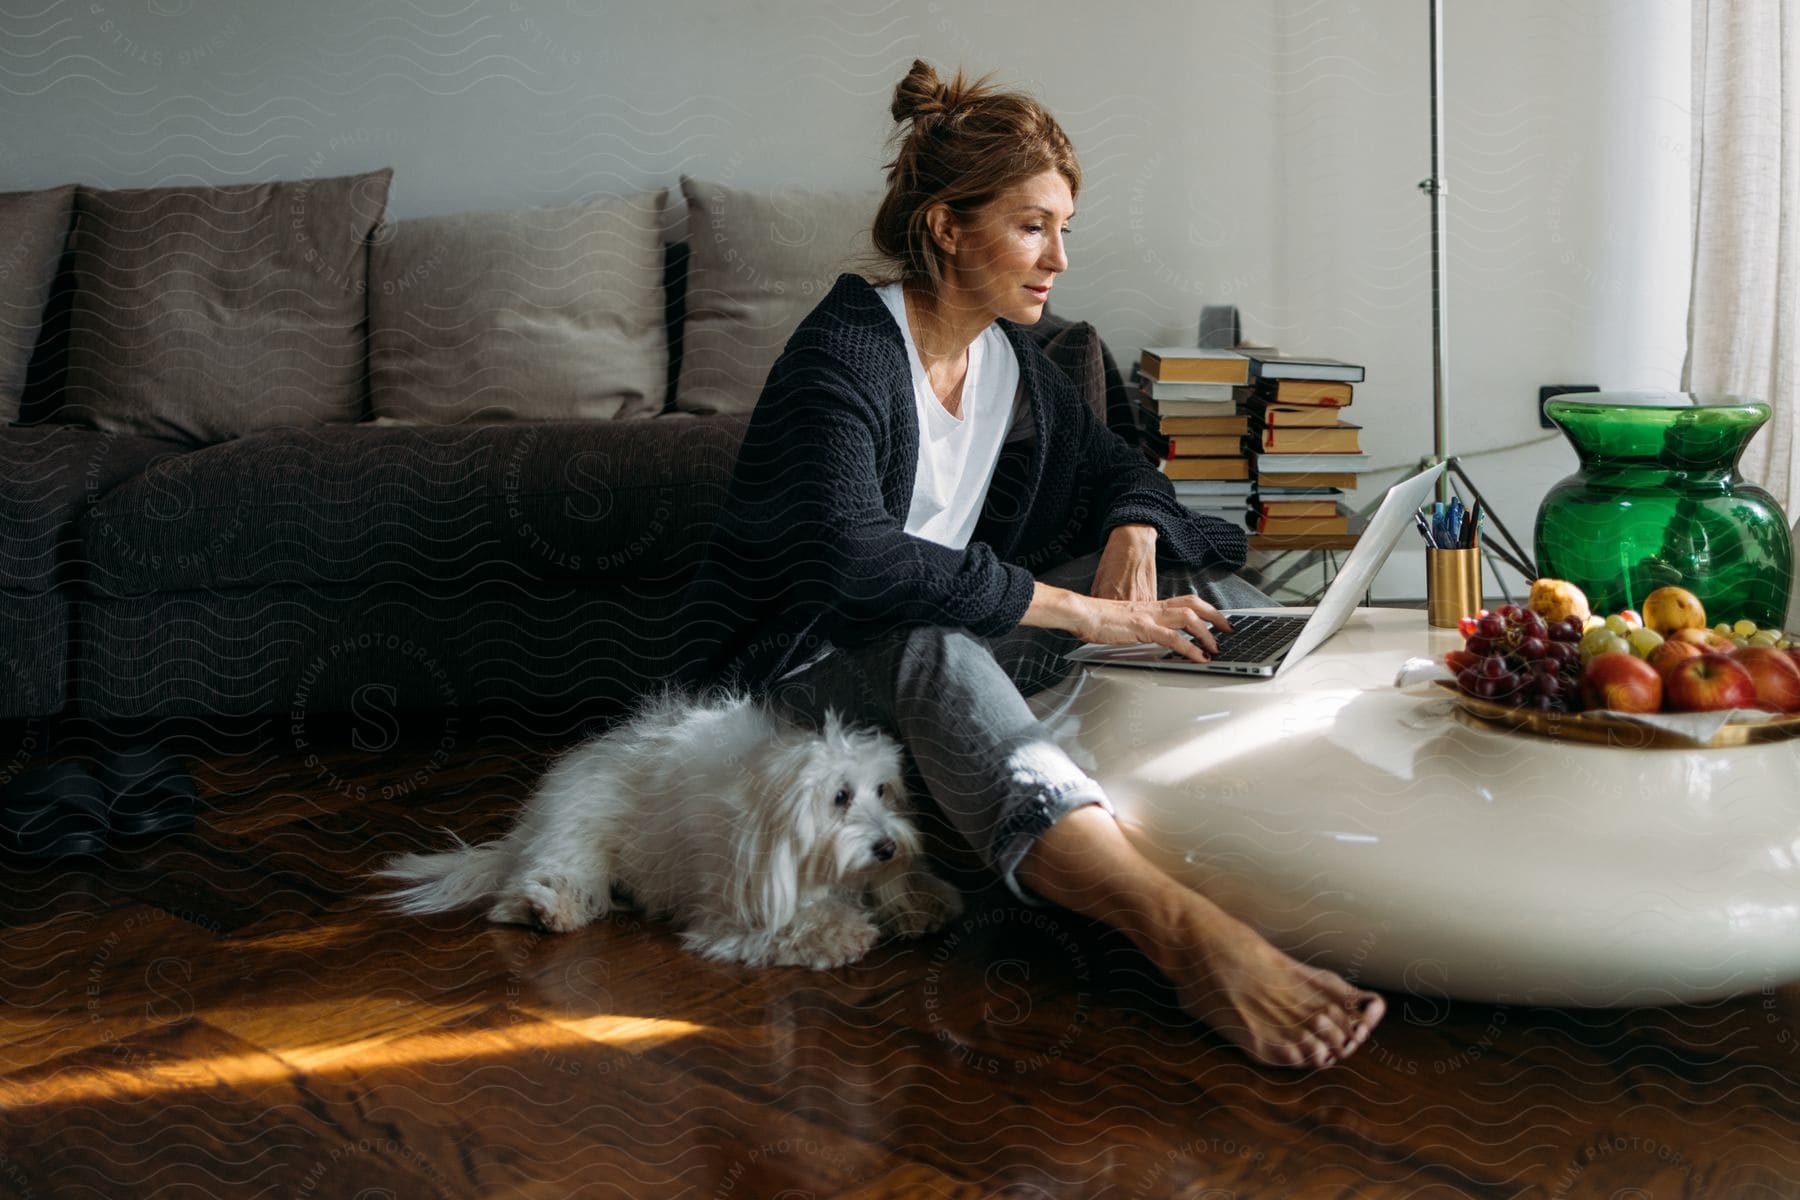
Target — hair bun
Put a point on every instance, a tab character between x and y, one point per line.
920	94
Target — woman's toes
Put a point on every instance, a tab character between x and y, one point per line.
1286	1054
1370	1008
1317	1054
1365	1013
1331	1029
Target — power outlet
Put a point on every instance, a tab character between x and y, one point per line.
1557	389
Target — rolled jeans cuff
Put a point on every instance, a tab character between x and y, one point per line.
1047	793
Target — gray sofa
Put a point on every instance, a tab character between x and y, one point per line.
272	454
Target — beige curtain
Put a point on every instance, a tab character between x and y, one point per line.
1744	310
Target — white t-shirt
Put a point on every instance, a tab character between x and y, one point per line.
957	455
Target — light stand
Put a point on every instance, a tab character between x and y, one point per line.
1508	550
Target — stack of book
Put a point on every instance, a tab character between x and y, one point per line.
1193	420
1306	454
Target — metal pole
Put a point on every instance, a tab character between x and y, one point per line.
1436	189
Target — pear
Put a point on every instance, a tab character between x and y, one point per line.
1668	609
1558	600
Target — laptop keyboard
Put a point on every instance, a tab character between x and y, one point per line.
1254	638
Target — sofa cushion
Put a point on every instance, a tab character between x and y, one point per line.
49	476
757	264
1076	349
206	313
341	505
34	655
534	314
33	228
378	650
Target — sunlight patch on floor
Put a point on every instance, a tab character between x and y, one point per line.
82	1085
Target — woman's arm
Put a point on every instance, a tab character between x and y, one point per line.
1128	622
1127	569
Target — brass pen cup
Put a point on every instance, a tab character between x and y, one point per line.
1452	585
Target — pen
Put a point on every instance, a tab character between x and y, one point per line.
1424	528
1473	529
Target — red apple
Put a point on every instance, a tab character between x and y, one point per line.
1622	682
1709	682
1672	651
1775	675
1709	640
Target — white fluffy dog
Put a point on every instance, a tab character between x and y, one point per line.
768	843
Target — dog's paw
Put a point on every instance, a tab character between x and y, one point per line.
832	942
918	904
556	904
512	910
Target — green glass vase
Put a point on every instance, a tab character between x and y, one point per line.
1658	500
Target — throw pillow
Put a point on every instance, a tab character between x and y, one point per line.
757	264
33	227
535	314
207	313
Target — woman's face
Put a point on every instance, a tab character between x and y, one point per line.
1006	256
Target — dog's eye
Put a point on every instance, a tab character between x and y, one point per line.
842	799
881	791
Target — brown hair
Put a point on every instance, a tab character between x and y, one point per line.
966	143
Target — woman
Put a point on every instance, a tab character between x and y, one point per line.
912	461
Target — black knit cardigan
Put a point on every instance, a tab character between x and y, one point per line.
810	546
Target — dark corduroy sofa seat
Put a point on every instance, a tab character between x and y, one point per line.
532	565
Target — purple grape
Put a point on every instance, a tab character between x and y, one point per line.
1532	649
1493	666
1486	688
1476	644
1490	626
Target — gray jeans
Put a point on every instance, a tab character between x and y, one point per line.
957	703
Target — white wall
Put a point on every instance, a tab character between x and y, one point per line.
1260	153
1567	135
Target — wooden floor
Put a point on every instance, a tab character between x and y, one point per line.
226	1014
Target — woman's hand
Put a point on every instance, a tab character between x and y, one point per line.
1164	622
1127	569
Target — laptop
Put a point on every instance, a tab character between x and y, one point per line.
1264	645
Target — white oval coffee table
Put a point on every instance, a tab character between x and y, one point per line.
1370	830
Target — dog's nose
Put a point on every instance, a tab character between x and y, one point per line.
885	849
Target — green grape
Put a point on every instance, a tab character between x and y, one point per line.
1764	637
1595	636
1607	642
1643	641
1723	628
1744	628
1618	625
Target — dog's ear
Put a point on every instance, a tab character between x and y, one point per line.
779	826
834	724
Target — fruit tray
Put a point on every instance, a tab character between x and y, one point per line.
1611	731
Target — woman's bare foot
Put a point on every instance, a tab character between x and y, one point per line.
1279	1011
